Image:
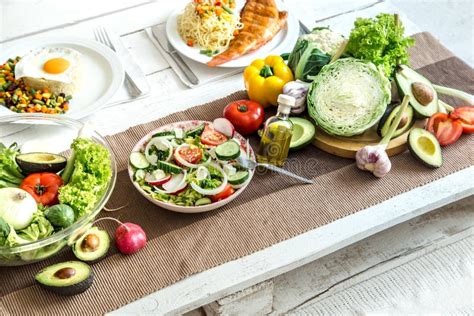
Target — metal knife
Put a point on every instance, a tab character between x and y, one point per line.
136	77
160	36
303	28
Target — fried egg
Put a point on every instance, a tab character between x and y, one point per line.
52	63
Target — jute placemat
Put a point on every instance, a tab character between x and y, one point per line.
272	209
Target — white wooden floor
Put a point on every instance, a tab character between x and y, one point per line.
421	266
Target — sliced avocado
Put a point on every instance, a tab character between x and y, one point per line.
407	121
66	278
40	162
425	147
424	98
92	245
303	133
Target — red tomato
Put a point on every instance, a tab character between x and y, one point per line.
43	187
465	114
245	115
211	137
191	154
228	191
446	130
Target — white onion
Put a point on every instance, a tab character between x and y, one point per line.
157	141
215	191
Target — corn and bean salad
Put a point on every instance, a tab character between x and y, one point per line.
17	97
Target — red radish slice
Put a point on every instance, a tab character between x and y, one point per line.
157	177
224	126
177	183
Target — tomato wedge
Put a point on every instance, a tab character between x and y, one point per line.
191	154
212	137
465	114
43	187
228	191
446	129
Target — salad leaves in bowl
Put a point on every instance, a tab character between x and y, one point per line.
190	166
56	177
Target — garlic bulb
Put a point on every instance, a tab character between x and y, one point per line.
298	90
374	159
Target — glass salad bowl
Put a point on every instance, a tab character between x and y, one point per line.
51	134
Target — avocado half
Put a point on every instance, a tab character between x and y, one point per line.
407	121
303	133
405	78
425	147
40	162
66	278
92	246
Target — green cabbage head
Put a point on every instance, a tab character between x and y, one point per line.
348	97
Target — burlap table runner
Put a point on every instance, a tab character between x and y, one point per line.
272	209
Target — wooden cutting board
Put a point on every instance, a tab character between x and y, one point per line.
347	147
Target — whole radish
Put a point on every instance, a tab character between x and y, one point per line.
129	238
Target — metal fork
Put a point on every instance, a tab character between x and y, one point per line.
250	164
102	36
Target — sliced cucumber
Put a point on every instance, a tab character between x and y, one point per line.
166	134
195	131
140	174
168	167
228	150
138	160
203	201
239	177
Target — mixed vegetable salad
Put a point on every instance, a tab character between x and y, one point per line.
191	167
43	193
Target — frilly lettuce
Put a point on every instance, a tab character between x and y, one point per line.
92	172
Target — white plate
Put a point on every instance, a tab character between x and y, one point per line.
101	71
187	125
282	42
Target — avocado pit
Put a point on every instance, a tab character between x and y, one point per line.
65	273
90	243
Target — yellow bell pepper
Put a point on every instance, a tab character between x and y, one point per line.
264	79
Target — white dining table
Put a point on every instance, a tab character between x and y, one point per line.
22	20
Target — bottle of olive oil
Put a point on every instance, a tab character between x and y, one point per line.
276	136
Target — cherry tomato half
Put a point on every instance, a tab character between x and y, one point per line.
43	187
212	137
245	115
228	191
191	154
446	129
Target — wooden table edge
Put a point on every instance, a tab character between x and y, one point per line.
210	285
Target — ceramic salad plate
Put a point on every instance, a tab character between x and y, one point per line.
172	189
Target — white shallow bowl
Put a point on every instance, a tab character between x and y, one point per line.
101	71
281	43
187	125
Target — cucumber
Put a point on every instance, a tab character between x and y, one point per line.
203	201
228	150
167	134
239	177
140	174
138	160
168	167
195	131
